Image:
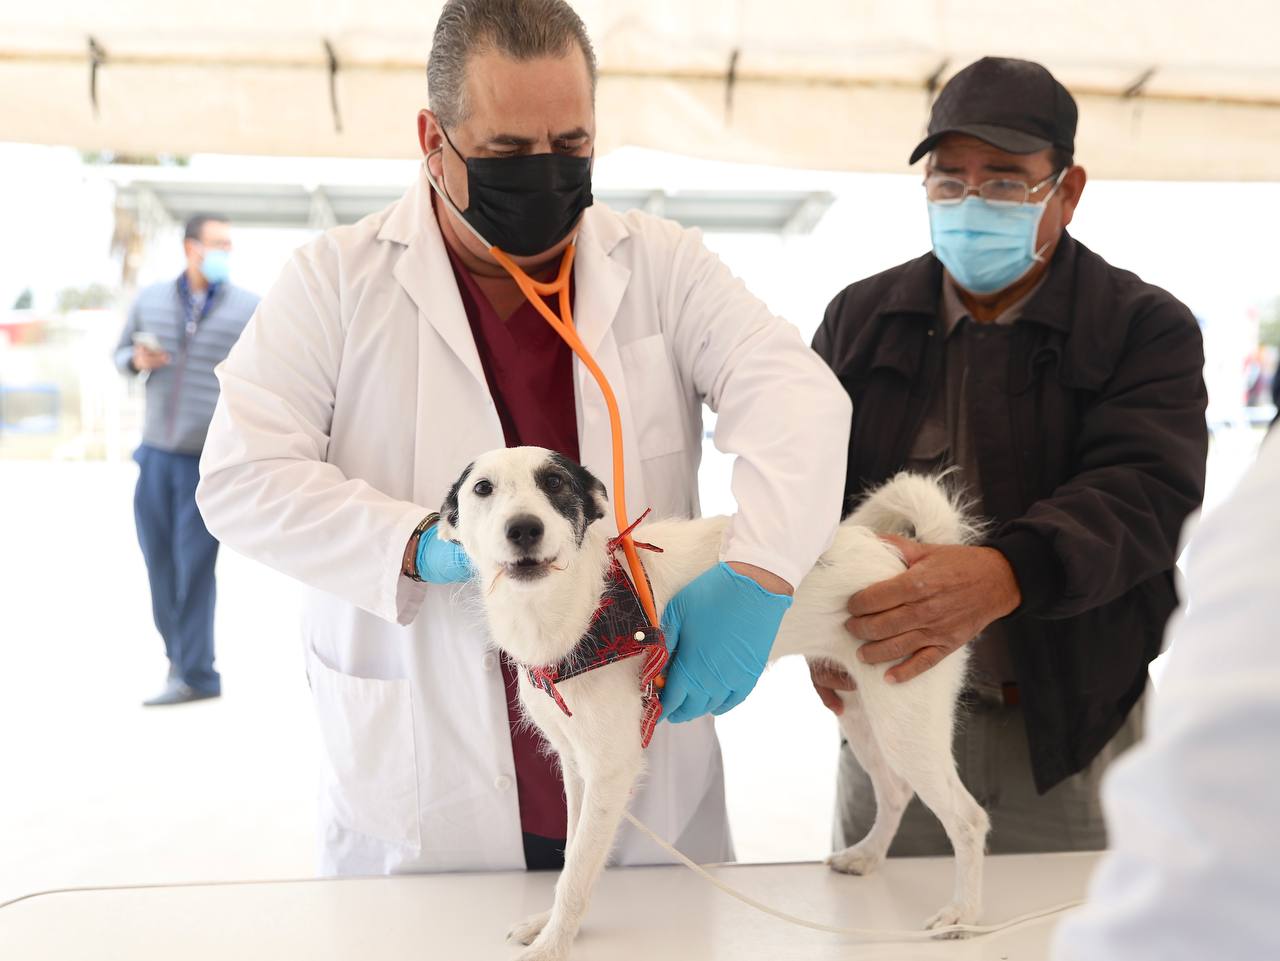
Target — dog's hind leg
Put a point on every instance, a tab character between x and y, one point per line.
891	790
966	824
914	734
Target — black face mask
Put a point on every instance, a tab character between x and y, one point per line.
528	204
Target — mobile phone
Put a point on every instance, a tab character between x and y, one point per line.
145	338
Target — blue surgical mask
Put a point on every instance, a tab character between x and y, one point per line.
986	247
216	266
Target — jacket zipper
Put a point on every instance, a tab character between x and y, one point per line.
172	426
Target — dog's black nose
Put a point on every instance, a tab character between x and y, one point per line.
524	531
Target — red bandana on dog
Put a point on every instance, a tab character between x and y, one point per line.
619	629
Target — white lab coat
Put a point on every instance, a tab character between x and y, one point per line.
355	398
1194	811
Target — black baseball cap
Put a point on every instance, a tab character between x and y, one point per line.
1015	105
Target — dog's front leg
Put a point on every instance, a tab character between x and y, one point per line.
573	788
607	787
531	927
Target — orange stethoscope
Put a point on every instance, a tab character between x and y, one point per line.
534	291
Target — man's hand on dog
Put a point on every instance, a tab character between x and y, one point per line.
946	597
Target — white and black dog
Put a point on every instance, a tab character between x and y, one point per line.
526	517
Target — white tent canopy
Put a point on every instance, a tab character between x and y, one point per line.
1167	90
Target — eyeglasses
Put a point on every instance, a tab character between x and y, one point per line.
941	189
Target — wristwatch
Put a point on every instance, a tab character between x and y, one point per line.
409	564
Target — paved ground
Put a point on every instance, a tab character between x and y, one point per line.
94	789
97	789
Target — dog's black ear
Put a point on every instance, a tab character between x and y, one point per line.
595	497
598	497
448	526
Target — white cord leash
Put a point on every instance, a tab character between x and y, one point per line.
865	934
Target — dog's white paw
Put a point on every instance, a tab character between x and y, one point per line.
544	951
951	914
855	860
527	930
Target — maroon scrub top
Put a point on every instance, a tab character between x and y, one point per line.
529	370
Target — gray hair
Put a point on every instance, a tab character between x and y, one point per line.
520	29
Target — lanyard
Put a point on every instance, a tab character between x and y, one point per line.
188	308
189	331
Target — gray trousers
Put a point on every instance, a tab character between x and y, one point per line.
994	762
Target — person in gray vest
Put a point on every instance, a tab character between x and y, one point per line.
177	332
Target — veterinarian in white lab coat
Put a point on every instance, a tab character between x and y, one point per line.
357	396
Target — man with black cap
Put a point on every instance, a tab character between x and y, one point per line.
1067	396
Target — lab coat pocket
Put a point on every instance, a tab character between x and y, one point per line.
366	724
657	402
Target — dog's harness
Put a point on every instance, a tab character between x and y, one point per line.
619	629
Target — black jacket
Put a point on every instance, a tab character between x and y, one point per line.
1088	474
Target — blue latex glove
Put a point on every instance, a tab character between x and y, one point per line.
441	562
721	628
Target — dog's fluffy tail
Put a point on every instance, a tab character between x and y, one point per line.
920	507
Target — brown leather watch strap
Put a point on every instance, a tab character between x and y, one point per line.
409	563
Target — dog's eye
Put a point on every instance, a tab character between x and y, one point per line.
482	489
553	482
